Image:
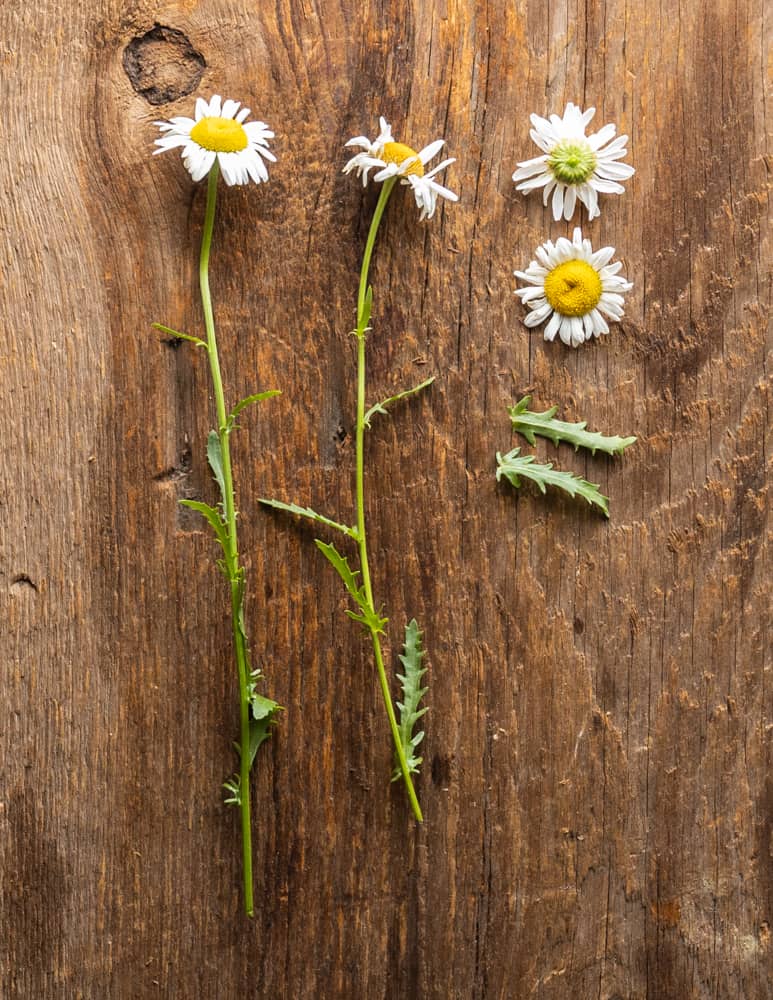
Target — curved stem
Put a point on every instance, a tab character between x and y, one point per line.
361	332
232	553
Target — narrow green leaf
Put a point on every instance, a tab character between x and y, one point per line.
514	465
528	423
381	407
367	616
363	320
180	336
215	457
247	401
214	518
341	566
312	515
413	692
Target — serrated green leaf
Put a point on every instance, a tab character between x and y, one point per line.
312	515
213	516
413	692
215	458
180	336
528	423
367	616
381	407
248	401
341	566
514	465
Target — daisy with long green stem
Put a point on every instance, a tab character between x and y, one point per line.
219	139
391	162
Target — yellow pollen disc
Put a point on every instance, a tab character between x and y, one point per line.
396	152
220	135
573	288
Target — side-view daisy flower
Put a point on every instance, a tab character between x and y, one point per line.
395	159
575	166
574	287
219	131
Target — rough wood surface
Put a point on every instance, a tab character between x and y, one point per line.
598	788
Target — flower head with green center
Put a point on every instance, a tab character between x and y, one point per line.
575	166
219	131
574	288
395	159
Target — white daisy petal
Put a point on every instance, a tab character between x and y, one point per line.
552	328
558	202
569	200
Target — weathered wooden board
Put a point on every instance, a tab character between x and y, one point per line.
598	787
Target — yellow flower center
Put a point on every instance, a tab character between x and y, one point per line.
396	152
573	288
219	135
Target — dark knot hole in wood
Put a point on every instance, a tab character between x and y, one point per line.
162	65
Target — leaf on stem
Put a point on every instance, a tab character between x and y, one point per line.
381	407
247	401
514	465
180	336
312	515
528	423
413	692
215	458
367	615
213	516
363	320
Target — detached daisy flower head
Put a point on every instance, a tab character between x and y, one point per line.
219	131
394	159
575	166
573	286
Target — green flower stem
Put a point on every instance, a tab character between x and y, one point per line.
232	552
361	333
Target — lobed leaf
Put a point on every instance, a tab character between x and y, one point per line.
256	397
312	515
215	459
214	518
514	465
381	407
413	692
528	424
367	616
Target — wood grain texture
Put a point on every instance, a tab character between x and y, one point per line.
598	788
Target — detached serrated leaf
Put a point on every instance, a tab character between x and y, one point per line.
312	515
528	423
514	465
213	517
413	692
215	458
256	397
382	406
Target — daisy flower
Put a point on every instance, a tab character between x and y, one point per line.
574	165
394	159
573	286
219	132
